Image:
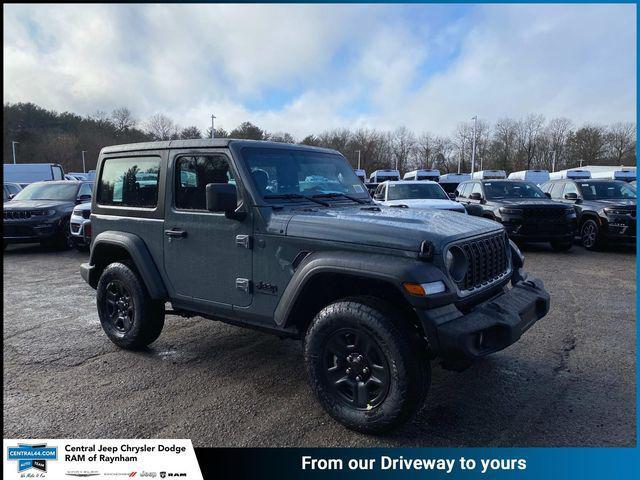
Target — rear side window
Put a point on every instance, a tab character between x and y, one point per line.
129	182
194	173
57	172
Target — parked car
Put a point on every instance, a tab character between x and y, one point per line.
80	224
10	190
374	291
606	209
383	175
489	174
26	173
535	176
416	194
41	213
433	175
524	210
450	181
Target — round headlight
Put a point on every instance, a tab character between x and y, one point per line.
456	263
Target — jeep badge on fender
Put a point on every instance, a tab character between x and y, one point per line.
375	294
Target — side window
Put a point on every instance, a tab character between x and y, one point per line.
85	189
462	190
569	187
193	173
57	172
477	188
555	189
129	182
13	189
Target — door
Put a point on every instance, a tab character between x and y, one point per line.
207	256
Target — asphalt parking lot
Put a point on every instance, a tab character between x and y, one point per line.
570	381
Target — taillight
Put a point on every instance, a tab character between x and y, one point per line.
87	230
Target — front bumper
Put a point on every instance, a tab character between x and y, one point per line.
620	228
490	326
30	231
77	226
543	230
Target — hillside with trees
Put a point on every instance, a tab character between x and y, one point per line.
510	144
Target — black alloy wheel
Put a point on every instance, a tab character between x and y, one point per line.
589	234
120	307
356	369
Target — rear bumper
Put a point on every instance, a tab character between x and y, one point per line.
490	326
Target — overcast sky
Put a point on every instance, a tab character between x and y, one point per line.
304	69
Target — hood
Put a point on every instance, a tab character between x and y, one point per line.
399	228
36	204
614	202
427	203
524	202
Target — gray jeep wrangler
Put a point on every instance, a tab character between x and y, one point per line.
286	239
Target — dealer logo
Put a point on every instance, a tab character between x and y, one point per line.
32	456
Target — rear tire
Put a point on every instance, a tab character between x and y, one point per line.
590	235
561	246
366	365
129	316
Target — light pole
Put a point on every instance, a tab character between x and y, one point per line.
358	159
213	131
473	149
553	162
13	148
84	169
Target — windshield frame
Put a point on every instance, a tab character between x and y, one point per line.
517	182
299	195
50	184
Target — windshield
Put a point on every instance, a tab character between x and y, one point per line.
495	190
606	190
49	191
416	191
278	172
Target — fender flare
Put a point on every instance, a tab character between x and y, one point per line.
140	255
372	266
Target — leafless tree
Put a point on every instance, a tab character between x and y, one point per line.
161	127
403	143
123	119
621	140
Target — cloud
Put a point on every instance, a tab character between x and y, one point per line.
307	68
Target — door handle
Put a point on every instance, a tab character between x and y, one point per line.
175	233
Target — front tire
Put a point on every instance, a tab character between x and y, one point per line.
590	235
129	316
366	365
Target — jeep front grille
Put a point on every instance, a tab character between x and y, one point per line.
487	261
16	214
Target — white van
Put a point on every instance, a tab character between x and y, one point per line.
489	175
361	174
432	175
380	176
26	173
624	175
535	176
450	181
574	173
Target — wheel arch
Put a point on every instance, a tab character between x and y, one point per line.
111	246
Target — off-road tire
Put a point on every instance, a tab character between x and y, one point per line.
403	350
561	246
590	235
147	315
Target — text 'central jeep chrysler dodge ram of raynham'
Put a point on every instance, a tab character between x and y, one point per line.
285	238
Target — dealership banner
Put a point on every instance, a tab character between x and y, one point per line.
64	458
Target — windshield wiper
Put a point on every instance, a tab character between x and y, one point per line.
297	196
336	194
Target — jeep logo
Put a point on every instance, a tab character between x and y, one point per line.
267	288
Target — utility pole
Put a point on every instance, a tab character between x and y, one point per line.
358	159
13	148
553	162
84	168
213	130
473	149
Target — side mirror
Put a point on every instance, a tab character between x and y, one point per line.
452	195
11	195
84	198
571	196
547	194
475	196
378	197
475	210
222	197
